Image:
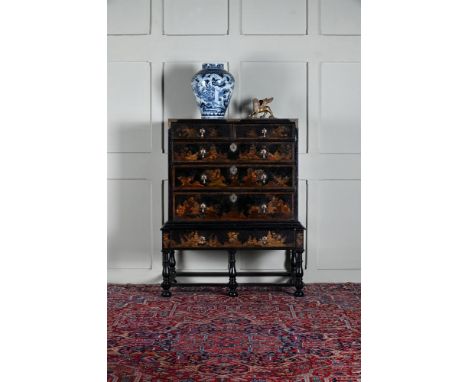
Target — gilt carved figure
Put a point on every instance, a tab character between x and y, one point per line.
185	181
216	179
260	108
233	239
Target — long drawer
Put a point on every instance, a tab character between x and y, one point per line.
258	177
234	206
254	130
232	238
232	152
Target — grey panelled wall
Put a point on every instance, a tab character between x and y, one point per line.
305	54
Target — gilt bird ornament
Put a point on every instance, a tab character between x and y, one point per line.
260	108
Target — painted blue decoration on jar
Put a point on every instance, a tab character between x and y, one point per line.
212	87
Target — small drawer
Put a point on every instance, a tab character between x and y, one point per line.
266	152
202	152
234	176
181	131
228	152
258	238
233	206
265	131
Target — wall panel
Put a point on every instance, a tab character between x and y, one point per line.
129	224
131	17
339	224
202	261
274	17
196	17
340	113
261	260
129	107
340	17
129	166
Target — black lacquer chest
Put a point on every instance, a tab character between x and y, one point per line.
233	185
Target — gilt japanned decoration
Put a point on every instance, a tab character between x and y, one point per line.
209	207
230	239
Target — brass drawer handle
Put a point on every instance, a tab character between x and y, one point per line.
202	132
264	132
264	240
203	178
233	198
263	153
202	153
263	208
202	240
263	177
233	170
233	147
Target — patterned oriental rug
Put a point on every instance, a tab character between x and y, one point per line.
264	335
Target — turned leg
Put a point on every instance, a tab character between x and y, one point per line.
172	267
166	284
292	266
232	274
299	273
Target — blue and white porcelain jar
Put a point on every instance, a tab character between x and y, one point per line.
212	87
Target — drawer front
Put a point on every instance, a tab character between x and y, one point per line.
234	176
232	206
188	239
265	131
200	131
233	152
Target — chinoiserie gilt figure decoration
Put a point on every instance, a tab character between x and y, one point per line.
261	109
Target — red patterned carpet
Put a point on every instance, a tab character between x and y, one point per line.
265	334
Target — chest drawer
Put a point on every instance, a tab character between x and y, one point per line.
263	131
232	152
229	238
233	206
233	176
186	130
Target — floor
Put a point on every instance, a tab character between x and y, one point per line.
266	334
